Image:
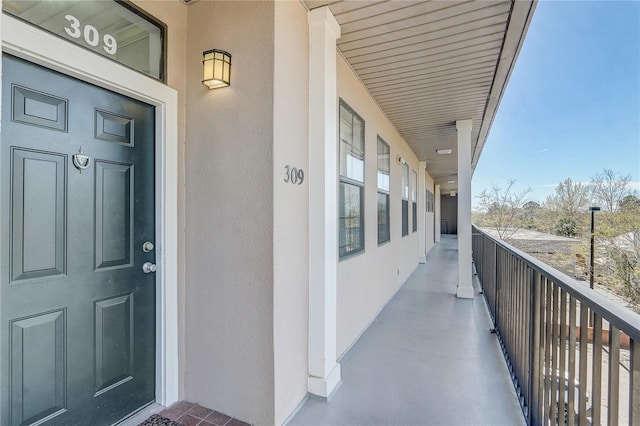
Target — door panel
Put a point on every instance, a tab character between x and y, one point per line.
39	109
38	212
77	203
114	342
37	367
114	231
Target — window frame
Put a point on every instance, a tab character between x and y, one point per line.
351	181
405	200
382	191
414	200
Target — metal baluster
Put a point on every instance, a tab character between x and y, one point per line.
555	355
584	340
562	347
527	331
517	316
614	374
497	289
535	345
596	385
634	384
548	366
572	361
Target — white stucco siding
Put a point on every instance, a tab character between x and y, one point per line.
367	280
290	207
229	362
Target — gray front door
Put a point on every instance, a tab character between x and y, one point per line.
77	204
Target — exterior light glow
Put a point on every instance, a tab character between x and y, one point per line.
451	181
216	68
444	151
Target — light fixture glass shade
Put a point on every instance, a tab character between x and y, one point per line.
216	68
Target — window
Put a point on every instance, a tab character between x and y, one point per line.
351	192
429	201
414	199
384	233
405	200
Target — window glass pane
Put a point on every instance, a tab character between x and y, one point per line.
383	218
429	201
351	237
351	144
415	217
405	217
383	165
405	181
414	185
108	28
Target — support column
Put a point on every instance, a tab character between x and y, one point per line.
465	286
422	213
436	211
324	371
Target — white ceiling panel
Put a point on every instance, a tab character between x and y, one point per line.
431	63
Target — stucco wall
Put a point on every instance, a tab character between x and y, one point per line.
214	323
229	361
366	281
290	207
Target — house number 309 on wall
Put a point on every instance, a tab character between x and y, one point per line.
293	175
91	35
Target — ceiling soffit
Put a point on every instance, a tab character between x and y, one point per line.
430	63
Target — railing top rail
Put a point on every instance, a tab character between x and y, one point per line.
617	315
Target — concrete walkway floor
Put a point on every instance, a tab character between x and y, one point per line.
427	359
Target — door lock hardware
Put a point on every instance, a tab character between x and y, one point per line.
147	246
149	267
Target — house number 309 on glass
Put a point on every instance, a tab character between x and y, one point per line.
91	35
293	175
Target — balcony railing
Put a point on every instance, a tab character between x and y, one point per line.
574	355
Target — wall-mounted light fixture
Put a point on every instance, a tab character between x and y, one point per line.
216	68
401	160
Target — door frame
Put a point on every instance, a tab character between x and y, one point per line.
37	46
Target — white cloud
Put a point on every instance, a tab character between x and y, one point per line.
540	151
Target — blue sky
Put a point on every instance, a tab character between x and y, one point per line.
572	105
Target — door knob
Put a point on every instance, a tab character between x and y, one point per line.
149	267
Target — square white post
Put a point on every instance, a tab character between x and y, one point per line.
465	286
436	205
422	213
324	371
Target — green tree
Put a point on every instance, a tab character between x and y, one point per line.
629	204
609	189
570	199
567	227
619	237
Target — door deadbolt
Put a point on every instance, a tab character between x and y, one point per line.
147	246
